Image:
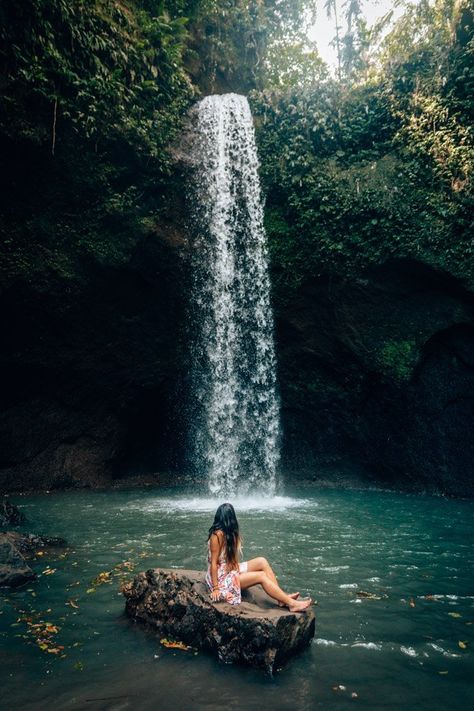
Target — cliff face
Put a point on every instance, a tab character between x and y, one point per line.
379	372
90	371
376	370
376	375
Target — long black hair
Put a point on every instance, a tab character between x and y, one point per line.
225	520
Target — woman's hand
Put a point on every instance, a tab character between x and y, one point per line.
215	595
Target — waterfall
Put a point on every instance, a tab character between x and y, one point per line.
236	418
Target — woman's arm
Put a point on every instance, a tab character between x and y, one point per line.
215	546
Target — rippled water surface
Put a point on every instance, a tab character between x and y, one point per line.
397	648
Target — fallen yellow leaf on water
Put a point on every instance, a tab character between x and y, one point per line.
39	553
462	645
174	645
55	650
72	603
443	672
49	571
454	614
102	578
412	602
90	590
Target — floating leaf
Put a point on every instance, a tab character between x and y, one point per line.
412	602
454	614
443	672
72	603
102	578
90	590
49	571
174	645
368	595
462	644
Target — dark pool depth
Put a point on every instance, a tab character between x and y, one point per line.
397	648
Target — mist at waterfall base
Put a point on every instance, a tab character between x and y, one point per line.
235	419
331	544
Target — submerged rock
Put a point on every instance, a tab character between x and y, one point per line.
28	543
14	570
15	547
257	632
10	515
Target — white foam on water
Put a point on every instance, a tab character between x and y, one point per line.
325	642
368	645
409	651
442	651
203	504
348	586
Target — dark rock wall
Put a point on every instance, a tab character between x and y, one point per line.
90	372
377	375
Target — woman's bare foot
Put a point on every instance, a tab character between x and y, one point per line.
294	596
299	605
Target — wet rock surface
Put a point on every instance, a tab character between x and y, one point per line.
257	632
10	515
14	570
15	549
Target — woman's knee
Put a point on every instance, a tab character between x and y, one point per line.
262	563
262	577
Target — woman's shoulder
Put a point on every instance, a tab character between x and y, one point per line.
218	534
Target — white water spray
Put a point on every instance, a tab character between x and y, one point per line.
236	424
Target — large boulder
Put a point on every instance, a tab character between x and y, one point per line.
257	632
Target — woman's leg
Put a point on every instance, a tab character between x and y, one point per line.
262	564
273	589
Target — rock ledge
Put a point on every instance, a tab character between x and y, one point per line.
257	632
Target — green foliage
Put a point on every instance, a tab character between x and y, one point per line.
398	359
107	71
357	174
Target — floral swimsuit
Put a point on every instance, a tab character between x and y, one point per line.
227	580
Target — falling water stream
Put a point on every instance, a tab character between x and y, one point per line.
235	432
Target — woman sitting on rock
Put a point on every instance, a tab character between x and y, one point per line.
226	577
